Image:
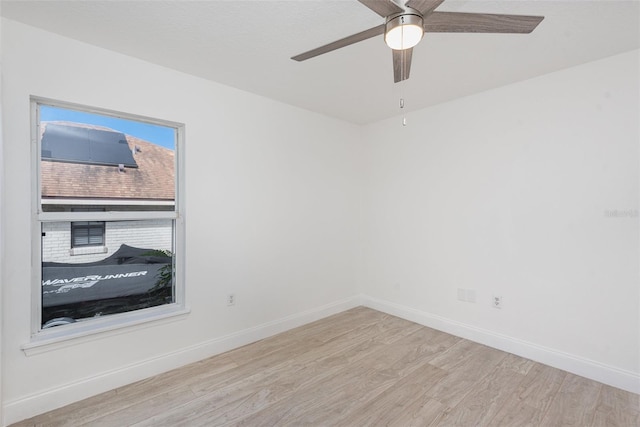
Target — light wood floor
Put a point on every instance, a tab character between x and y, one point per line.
358	368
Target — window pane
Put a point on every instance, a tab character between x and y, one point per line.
95	232
94	162
80	232
95	239
87	233
80	237
136	272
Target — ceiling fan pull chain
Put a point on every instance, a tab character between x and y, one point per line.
404	118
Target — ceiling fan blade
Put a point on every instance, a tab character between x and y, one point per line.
401	64
355	38
458	22
383	8
425	7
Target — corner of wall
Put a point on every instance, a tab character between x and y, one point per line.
1	226
359	267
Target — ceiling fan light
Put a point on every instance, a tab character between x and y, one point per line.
403	31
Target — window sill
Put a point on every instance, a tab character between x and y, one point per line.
93	329
88	250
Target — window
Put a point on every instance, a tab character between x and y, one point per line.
87	233
108	226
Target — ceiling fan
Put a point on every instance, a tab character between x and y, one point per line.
406	23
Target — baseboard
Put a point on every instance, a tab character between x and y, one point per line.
609	375
29	406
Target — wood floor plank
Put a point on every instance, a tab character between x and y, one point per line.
315	333
575	402
466	363
518	413
362	380
407	355
403	403
540	386
518	364
617	408
357	368
312	364
487	396
104	404
264	352
142	410
530	403
363	340
266	388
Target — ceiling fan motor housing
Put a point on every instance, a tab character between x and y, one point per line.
404	30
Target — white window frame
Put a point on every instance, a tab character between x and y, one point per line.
45	339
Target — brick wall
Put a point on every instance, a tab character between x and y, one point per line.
149	234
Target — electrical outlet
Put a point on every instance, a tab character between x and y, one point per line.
497	301
231	299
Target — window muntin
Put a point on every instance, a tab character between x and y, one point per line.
106	208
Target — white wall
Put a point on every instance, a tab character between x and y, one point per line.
263	180
529	192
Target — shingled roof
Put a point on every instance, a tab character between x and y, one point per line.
152	180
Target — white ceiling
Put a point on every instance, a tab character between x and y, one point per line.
247	45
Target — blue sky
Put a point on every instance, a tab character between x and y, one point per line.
160	135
